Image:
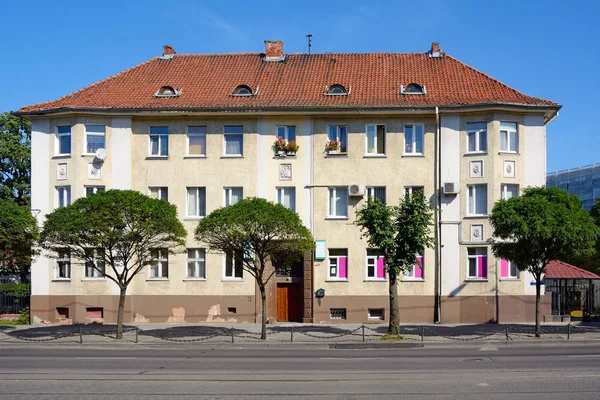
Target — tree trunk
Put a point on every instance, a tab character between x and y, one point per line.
537	306
263	296
394	326
120	312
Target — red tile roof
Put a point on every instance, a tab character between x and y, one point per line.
298	82
558	269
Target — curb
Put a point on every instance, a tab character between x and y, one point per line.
360	346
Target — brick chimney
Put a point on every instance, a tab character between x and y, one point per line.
435	50
168	51
274	50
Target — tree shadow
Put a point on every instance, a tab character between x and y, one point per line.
66	330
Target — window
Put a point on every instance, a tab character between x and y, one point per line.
234	140
90	190
477	200
167	91
509	191
159	141
375	139
375	265
337	132
288	133
196	141
376	192
477	137
233	267
410	190
286	196
95	138
376	313
161	193
95	269
338	264
337	90
337	313
338	202
413	139
412	88
63	196
508	269
416	272
159	269
509	138
63	265
63	140
196	202
94	312
477	258
242	90
196	264
233	195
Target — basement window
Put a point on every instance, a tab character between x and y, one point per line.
336	90
413	88
337	313
376	313
167	91
242	90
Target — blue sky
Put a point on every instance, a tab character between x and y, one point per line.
545	48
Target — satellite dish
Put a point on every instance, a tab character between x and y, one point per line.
101	154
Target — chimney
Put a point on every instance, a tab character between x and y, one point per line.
435	50
168	51
274	50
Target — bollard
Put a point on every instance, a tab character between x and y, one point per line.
80	336
232	333
363	332
291	334
422	333
137	332
569	331
507	333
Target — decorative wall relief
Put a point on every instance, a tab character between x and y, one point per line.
476	233
476	169
62	172
510	169
94	171
285	172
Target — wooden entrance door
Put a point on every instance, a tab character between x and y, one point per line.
289	302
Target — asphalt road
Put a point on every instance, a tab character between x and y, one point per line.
486	372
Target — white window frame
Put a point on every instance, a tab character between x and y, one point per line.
201	213
375	153
373	258
377	318
95	273
476	257
63	257
66	196
504	190
162	192
473	213
280	192
200	135
414	151
233	277
59	137
409	190
286	132
332	214
509	131
161	137
227	192
225	135
371	192
512	265
87	134
94	189
337	265
478	141
338	137
160	259
199	259
410	274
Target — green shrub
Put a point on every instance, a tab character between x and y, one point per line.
24	317
16	289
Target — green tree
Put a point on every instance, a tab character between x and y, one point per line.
399	233
15	158
256	232
121	229
18	233
542	225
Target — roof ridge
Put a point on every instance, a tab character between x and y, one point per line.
496	80
297	54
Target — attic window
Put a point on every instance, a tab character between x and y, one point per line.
413	88
242	90
336	90
167	91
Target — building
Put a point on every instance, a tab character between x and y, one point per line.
582	181
198	130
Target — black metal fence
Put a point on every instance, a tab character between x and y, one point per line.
10	304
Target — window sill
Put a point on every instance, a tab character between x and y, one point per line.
476	153
336	219
61	156
375	155
191	156
157	157
508	153
88	155
476	280
413	155
336	280
192	218
93	280
510	279
157	280
232	280
340	154
476	216
194	280
61	280
413	279
375	280
232	156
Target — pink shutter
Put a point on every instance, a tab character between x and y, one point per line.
380	269
482	267
419	268
343	267
503	268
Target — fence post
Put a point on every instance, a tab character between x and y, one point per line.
232	333
292	334
80	336
363	331
422	333
137	332
507	333
569	331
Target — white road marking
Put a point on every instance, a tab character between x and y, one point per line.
584	356
483	384
351	358
489	348
106	358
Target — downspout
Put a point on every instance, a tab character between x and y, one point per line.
438	223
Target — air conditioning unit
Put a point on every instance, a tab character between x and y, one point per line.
451	188
357	190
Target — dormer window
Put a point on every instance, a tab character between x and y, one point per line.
413	88
242	90
167	91
336	90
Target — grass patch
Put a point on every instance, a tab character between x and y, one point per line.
392	337
9	323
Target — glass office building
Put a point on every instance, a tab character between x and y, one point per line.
582	181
